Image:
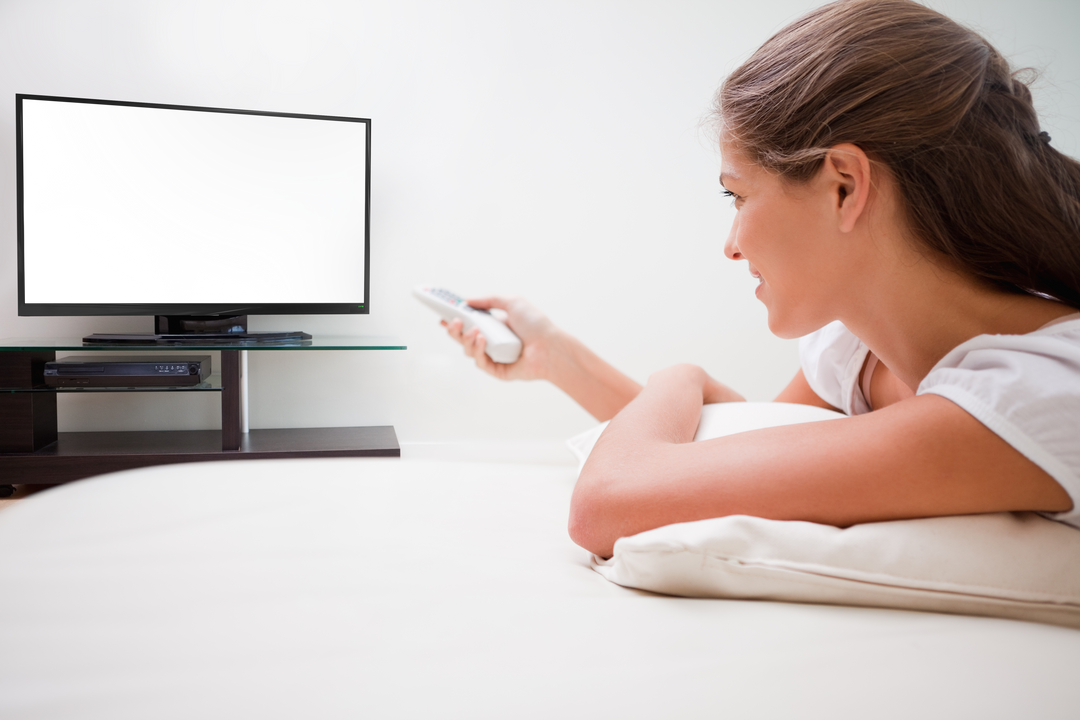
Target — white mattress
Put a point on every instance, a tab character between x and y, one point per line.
416	589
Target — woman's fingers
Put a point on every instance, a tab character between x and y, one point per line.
480	354
475	345
468	341
453	328
472	341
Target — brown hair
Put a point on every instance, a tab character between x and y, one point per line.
941	109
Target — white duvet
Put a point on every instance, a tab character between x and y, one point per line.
414	589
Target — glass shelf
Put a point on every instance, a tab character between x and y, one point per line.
323	342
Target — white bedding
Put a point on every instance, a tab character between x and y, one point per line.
359	588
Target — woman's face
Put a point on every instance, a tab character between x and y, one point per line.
787	233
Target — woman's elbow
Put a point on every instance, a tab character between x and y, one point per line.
587	532
592	517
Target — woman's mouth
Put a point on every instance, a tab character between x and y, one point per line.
761	283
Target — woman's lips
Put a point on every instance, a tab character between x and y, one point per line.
761	283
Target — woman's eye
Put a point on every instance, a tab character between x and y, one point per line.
728	194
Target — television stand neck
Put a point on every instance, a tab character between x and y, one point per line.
200	324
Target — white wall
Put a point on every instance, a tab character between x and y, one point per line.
550	149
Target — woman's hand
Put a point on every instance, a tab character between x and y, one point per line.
548	353
615	493
712	390
537	333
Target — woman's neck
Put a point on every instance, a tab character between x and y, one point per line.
920	311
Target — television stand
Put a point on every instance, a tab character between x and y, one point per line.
32	452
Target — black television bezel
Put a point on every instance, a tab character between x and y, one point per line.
186	309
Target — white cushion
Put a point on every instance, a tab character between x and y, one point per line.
722	419
1012	565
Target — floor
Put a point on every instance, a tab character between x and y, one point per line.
21	491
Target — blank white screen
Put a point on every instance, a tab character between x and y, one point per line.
144	205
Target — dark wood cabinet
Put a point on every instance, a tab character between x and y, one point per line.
33	452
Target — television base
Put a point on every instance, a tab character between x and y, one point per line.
198	330
294	337
200	324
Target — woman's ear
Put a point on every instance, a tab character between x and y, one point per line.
847	170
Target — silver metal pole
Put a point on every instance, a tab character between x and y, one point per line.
244	392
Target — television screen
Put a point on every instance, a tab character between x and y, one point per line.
133	209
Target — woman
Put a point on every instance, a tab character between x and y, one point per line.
907	217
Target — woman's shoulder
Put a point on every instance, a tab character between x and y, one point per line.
1027	380
1026	389
1054	346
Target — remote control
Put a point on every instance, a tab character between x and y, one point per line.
503	346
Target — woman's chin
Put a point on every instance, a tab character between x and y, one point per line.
782	331
788	327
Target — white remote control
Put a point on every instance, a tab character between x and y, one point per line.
503	346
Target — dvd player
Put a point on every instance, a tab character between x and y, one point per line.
127	371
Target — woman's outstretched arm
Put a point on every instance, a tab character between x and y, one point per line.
550	354
920	457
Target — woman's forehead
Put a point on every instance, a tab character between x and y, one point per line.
734	162
734	167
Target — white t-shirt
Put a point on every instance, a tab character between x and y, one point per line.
1026	388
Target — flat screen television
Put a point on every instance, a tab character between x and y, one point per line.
197	216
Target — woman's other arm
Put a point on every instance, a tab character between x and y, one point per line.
799	391
921	457
550	354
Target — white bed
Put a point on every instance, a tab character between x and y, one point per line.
416	589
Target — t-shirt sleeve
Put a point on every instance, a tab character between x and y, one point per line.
831	359
1025	388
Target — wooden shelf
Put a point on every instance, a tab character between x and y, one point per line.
83	454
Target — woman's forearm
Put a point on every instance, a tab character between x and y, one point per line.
667	410
593	383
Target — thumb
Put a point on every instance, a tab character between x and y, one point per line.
487	303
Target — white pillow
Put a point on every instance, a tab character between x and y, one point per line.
722	419
1012	565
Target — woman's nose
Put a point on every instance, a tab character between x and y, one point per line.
731	247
